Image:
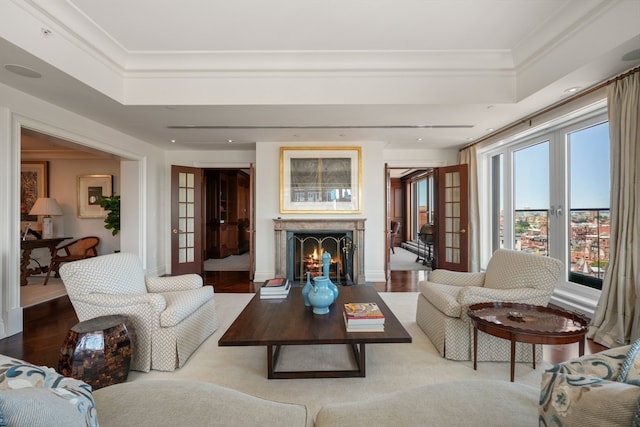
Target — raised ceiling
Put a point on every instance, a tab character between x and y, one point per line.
227	75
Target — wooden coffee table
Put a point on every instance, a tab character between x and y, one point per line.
528	324
276	323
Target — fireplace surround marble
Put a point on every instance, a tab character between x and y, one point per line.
355	225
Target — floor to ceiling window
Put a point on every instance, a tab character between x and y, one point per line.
548	194
422	203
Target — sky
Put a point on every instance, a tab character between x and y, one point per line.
588	171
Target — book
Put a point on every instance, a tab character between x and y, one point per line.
275	287
273	296
363	314
275	283
363	327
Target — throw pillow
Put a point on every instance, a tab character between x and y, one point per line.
568	400
38	407
36	395
630	372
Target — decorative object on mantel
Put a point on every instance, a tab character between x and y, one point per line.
321	296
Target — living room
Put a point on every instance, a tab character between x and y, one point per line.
414	104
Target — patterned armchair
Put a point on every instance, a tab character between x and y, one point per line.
171	316
511	276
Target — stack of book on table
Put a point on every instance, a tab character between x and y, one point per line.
363	317
275	288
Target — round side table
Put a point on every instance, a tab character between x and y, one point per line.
98	351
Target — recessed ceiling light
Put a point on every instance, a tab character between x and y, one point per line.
572	89
229	140
418	139
490	129
173	140
23	71
470	138
632	56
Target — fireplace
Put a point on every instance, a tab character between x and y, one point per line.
296	239
308	251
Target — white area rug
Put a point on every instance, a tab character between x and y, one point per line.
390	367
230	263
35	293
404	260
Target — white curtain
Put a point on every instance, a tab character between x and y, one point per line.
469	156
617	318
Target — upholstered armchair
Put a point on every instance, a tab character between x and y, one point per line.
511	276
171	316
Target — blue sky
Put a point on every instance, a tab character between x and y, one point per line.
588	171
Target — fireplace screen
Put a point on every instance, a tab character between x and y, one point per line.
305	254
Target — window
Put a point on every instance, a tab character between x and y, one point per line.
422	203
549	195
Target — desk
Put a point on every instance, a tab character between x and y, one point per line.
27	246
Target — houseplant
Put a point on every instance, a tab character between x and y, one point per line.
112	205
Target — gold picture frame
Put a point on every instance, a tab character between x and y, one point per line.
320	180
90	189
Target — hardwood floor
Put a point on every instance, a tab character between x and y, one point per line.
46	325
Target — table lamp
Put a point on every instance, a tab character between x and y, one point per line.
46	207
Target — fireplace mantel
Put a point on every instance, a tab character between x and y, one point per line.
355	225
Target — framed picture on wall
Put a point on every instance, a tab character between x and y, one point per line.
33	184
324	179
90	189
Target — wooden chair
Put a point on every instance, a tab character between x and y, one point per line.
74	251
395	230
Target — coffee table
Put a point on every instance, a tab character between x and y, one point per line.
528	324
276	323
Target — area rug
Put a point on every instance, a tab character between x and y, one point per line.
230	263
390	367
35	293
404	260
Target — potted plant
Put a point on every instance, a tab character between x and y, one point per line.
112	205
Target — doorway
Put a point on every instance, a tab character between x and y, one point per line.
227	216
410	205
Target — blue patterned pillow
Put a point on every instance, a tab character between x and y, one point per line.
38	396
578	400
630	371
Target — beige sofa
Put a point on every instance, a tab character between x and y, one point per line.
595	390
36	396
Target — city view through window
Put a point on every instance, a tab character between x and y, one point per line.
587	191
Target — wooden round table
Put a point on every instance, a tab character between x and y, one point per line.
98	351
526	323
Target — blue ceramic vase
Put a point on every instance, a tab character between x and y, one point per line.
321	297
326	262
306	289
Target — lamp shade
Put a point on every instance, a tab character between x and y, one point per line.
46	206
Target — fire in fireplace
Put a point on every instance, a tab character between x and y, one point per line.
305	255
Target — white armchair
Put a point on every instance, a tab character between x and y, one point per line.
171	316
511	276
